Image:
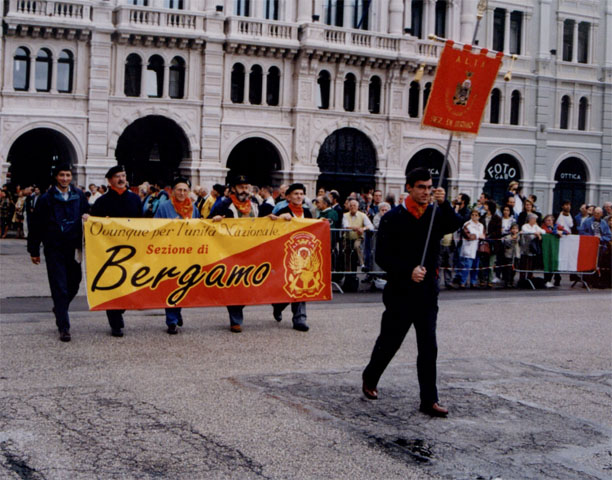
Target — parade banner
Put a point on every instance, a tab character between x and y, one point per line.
461	89
156	263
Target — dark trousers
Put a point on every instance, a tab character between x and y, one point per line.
297	308
115	318
64	274
403	308
235	314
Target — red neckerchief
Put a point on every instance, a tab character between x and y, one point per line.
120	191
297	210
184	208
243	207
417	210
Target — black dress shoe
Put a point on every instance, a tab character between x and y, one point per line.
278	316
172	330
179	322
116	332
434	410
301	327
65	336
370	393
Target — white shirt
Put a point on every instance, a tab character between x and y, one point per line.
566	221
469	248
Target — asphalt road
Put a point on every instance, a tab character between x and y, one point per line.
526	375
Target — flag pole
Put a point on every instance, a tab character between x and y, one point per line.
482	6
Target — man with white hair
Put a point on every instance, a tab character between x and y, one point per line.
595	226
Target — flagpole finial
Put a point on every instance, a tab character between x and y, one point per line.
481	8
419	73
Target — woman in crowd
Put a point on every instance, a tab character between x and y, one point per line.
488	250
549	226
473	232
527	209
512	255
530	243
6	212
507	219
179	206
18	216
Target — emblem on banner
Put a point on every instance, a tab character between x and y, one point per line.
303	264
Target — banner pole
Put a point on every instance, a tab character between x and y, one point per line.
482	6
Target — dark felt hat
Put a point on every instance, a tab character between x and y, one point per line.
239	180
295	186
178	180
113	170
220	189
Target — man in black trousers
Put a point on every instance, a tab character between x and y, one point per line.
118	201
57	223
411	292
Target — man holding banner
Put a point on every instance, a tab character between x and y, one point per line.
117	202
238	205
294	209
179	206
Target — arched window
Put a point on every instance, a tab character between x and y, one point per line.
272	7
323	90
177	78
441	6
350	83
21	69
175	4
515	107
65	68
237	86
273	86
255	85
133	74
426	92
495	103
242	7
43	70
374	95
582	113
413	99
565	111
155	77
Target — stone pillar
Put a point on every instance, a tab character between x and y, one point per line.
347	20
506	31
396	12
468	20
304	11
575	43
166	81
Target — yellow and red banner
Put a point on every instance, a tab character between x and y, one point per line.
461	89
156	263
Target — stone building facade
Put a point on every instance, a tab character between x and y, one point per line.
321	92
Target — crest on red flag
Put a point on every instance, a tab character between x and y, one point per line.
461	89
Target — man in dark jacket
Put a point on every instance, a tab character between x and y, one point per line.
411	292
118	201
57	224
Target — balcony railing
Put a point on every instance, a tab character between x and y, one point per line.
49	9
359	38
144	18
265	30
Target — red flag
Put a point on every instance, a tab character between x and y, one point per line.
461	89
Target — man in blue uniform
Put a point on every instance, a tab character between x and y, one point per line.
118	201
411	292
57	223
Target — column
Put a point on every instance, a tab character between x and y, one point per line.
396	11
347	21
143	78
166	81
468	21
407	13
506	31
430	15
575	43
304	11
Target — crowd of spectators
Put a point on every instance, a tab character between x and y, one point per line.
497	239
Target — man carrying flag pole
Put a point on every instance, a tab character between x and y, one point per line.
459	95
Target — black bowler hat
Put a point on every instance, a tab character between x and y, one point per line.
295	186
220	189
239	180
178	180
113	170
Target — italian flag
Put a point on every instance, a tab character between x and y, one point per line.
570	253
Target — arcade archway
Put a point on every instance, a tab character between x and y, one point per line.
33	155
432	160
258	159
500	171
347	160
570	178
152	149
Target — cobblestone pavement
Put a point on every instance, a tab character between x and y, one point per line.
527	378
